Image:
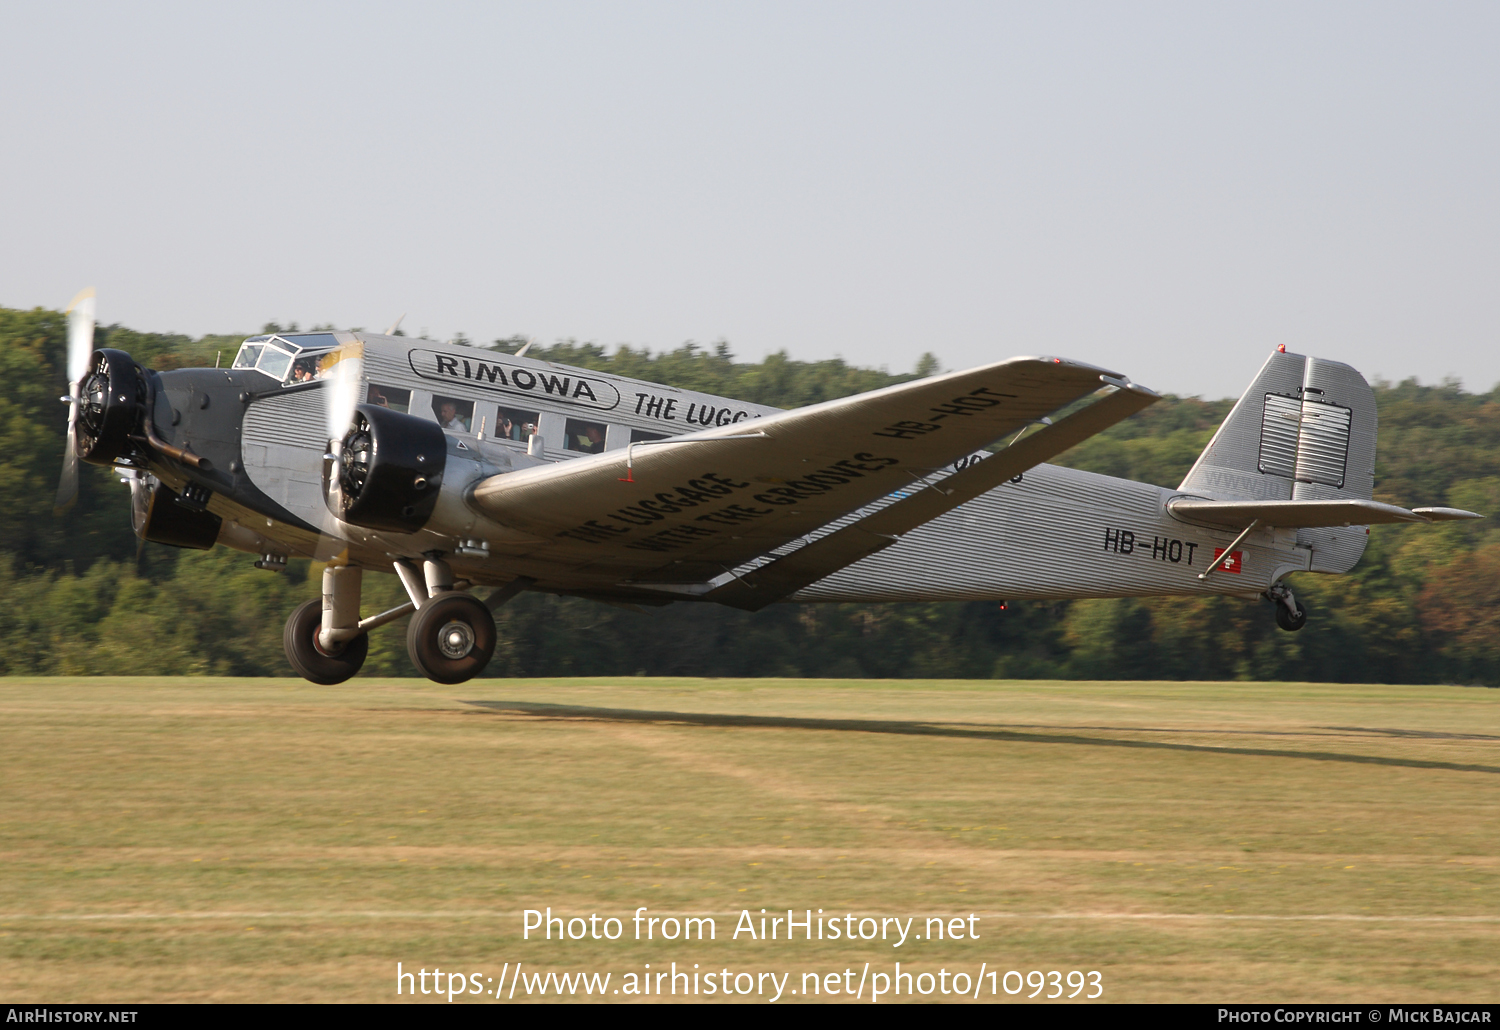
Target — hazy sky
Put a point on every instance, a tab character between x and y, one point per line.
1170	190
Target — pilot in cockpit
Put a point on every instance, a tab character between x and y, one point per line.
303	370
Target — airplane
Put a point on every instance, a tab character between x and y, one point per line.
457	468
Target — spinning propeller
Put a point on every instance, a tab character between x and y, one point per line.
80	347
342	371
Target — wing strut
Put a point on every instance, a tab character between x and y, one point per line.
511	589
1225	554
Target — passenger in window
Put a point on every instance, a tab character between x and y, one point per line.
393	397
517	425
452	413
587	437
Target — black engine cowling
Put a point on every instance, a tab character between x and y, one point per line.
387	472
112	397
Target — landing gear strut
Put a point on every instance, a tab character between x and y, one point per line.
1290	615
450	639
309	657
323	639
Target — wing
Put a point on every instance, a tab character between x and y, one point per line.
687	509
864	536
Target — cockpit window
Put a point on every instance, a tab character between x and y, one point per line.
274	361
248	355
288	360
310	341
305	369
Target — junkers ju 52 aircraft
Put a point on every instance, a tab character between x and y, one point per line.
459	468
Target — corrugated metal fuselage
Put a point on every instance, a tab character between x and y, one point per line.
1063	533
1057	533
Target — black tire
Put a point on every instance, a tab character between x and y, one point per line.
1288	621
451	637
313	663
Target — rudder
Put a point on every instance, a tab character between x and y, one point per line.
1304	430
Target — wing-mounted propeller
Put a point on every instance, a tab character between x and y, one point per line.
383	469
388	470
342	372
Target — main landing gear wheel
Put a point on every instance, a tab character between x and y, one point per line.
1289	620
451	637
308	657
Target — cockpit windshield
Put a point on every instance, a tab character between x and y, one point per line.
249	354
287	359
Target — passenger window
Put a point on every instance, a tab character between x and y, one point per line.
453	413
641	436
392	397
514	424
587	437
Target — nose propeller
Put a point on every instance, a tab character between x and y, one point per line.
80	346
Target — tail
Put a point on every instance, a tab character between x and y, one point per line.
1296	459
1303	431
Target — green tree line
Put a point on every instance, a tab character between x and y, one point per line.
79	595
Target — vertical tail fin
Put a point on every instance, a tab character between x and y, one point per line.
1304	430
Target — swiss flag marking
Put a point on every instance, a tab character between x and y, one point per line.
1233	562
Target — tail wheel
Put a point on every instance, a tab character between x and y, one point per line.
1289	620
451	637
308	657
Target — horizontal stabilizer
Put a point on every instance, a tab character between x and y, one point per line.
841	548
1447	514
1346	511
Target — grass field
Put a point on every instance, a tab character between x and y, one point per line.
264	840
